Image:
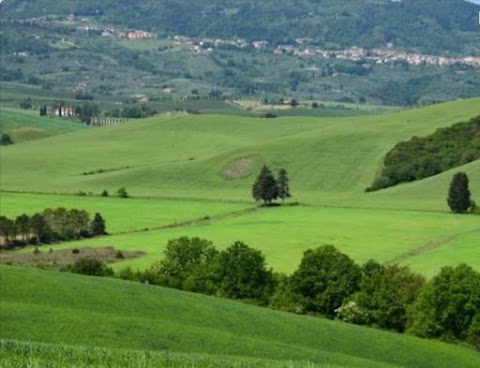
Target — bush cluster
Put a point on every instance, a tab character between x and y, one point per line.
420	158
49	226
328	283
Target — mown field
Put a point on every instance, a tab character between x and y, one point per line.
77	310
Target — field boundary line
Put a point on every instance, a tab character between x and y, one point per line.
207	220
430	246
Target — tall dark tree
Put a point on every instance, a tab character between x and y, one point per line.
98	225
22	223
265	187
7	230
459	199
282	184
40	229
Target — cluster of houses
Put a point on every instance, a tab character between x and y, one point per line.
204	44
113	32
384	55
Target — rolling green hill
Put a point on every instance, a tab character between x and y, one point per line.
330	161
24	125
67	309
187	170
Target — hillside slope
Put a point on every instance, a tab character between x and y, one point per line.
447	25
330	160
69	309
24	125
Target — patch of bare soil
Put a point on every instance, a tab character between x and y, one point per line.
239	169
47	257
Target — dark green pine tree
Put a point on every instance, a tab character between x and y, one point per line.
265	187
98	225
459	195
282	184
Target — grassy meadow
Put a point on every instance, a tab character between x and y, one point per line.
330	160
123	215
192	175
423	240
123	315
25	125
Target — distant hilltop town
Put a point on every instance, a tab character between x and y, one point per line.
385	55
300	47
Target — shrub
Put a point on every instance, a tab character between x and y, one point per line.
90	267
122	193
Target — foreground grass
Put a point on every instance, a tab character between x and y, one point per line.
66	309
36	355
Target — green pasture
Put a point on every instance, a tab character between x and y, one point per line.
330	160
121	215
425	241
26	125
66	309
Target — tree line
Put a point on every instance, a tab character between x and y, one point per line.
49	226
330	284
420	158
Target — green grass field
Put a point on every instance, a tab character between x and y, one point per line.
122	215
192	175
26	125
330	160
170	163
76	310
425	241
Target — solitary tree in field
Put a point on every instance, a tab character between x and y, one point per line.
98	225
282	184
122	193
265	187
459	195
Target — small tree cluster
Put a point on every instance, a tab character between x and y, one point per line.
267	189
43	110
49	226
194	264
